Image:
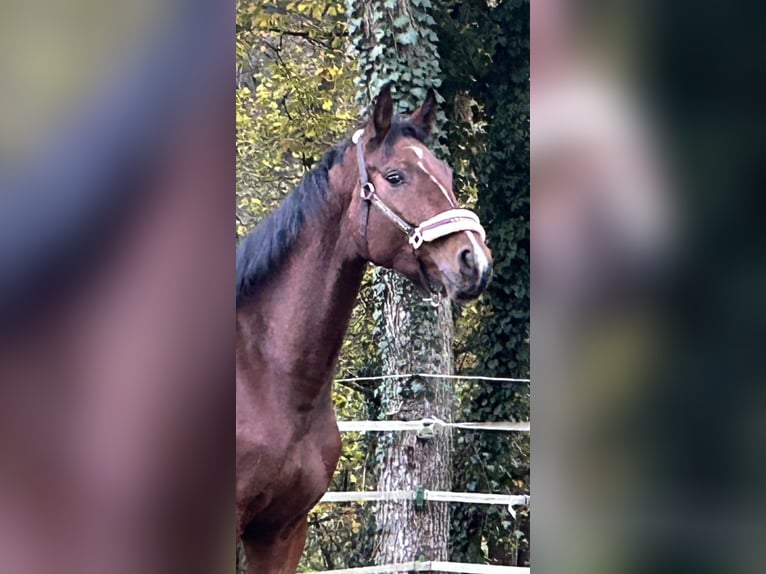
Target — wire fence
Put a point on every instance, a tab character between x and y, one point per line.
425	427
432	376
429	424
430	566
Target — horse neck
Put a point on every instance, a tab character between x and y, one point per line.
298	320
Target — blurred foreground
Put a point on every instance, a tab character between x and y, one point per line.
647	315
116	287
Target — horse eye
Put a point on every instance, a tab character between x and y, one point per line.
395	178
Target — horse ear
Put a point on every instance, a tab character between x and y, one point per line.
381	116
425	115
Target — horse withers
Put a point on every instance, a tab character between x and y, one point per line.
381	197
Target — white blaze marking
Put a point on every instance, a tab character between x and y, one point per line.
438	183
419	152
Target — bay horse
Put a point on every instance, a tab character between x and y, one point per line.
298	274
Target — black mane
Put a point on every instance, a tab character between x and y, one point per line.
261	252
264	248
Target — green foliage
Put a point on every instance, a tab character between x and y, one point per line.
487	85
293	82
400	47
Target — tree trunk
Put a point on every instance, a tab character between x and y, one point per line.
393	42
416	338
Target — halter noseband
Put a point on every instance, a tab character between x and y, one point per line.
440	225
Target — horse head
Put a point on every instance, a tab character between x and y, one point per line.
404	215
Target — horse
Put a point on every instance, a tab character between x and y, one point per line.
298	275
116	367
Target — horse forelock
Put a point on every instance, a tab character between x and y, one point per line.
403	129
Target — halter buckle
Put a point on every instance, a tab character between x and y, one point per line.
367	191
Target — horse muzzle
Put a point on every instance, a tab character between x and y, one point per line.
465	273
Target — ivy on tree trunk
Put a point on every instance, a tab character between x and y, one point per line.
416	337
393	41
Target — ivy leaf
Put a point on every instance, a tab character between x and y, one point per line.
407	38
401	21
376	51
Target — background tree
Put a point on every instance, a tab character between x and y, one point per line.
487	88
394	43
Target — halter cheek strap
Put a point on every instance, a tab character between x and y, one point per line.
366	189
442	224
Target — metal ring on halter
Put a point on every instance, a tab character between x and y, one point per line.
416	238
367	191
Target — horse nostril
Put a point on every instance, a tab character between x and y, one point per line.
467	260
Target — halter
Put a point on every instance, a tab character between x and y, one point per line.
440	225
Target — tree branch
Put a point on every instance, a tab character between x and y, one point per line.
305	35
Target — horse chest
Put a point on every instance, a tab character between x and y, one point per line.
284	463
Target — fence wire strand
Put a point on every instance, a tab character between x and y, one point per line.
432	376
